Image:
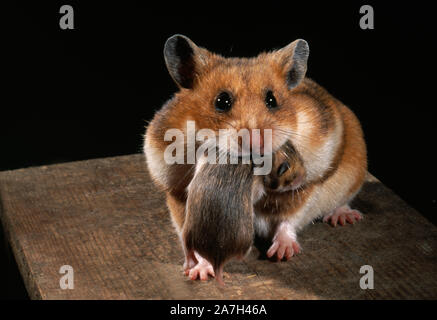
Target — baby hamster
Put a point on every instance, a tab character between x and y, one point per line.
288	172
219	217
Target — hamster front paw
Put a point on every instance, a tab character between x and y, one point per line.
284	244
342	215
196	266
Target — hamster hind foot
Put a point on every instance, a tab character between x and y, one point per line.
196	266
343	214
284	244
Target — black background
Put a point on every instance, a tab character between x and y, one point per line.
88	92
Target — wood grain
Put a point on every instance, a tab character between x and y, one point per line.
106	219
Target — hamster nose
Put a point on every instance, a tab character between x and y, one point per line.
283	168
271	183
274	184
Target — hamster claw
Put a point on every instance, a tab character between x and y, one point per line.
284	244
283	249
202	270
343	214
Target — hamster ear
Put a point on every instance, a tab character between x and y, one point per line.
293	59
184	60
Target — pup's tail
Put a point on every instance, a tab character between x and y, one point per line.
218	271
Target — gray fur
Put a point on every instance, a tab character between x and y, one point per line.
219	216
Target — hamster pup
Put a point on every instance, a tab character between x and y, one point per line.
219	217
288	171
267	92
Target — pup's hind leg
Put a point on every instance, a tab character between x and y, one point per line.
196	266
343	214
190	261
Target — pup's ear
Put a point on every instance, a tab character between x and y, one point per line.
184	60
293	59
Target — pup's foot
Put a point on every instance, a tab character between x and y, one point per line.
198	268
190	261
343	214
284	243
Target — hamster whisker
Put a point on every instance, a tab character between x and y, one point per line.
298	195
288	135
219	120
286	156
306	149
291	132
312	120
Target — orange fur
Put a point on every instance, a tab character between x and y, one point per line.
326	134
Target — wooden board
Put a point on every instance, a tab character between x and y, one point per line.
106	219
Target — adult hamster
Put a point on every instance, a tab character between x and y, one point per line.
267	92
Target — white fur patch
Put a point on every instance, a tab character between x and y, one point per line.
258	191
316	161
262	226
155	162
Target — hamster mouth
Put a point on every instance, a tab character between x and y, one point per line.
298	182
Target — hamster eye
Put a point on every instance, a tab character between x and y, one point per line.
223	102
283	168
270	100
